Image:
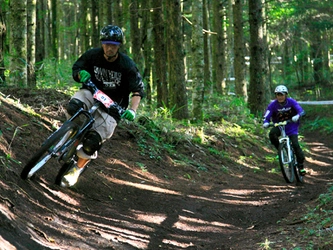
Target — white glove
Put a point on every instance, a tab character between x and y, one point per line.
266	125
295	118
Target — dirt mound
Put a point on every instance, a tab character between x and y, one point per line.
137	195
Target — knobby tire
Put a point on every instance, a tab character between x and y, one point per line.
48	149
299	177
62	171
287	169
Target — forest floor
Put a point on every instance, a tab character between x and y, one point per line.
136	197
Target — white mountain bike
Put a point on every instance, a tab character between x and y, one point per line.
287	156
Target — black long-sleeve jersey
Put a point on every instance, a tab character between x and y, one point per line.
116	79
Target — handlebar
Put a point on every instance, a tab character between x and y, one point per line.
90	86
284	123
101	97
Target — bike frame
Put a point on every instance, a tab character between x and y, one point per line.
287	157
100	100
284	138
62	144
81	132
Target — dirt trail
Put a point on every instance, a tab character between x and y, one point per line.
127	200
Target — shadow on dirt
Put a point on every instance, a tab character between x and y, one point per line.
130	199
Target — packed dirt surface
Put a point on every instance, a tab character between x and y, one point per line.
133	198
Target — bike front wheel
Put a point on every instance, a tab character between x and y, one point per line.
287	167
299	177
50	148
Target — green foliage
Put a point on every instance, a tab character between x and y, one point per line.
142	166
321	122
7	160
225	169
57	75
214	151
281	10
169	135
318	224
266	245
292	61
324	124
275	171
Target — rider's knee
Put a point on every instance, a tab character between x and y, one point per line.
274	138
74	105
92	143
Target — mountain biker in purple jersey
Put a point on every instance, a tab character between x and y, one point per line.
281	109
117	76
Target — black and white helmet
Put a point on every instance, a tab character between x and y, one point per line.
112	34
281	89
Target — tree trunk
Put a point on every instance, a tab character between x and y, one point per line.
2	44
230	47
135	33
160	63
103	12
239	60
54	30
256	102
40	32
31	52
218	48
94	24
147	48
198	60
326	58
124	22
61	27
175	58
207	50
118	13
317	57
18	43
83	33
109	14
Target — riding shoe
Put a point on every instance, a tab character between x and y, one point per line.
302	171
72	176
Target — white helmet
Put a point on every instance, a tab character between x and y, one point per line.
281	89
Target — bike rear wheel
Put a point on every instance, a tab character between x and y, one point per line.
50	148
62	171
287	167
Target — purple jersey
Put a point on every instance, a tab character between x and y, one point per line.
277	112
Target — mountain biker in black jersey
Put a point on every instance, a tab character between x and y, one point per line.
117	76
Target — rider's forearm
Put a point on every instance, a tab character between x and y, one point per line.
135	102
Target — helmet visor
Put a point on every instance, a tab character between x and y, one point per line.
280	93
110	42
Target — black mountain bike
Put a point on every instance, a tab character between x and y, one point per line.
287	157
62	144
